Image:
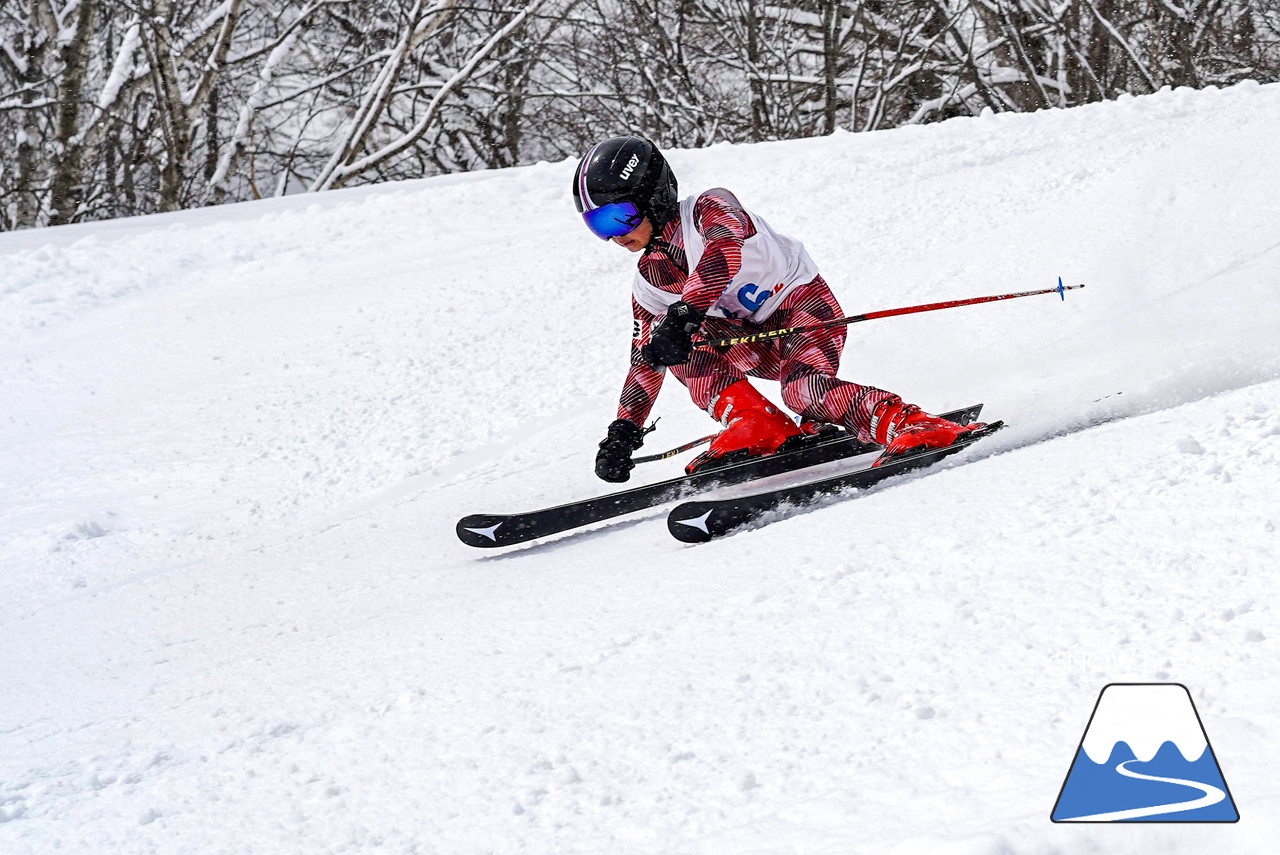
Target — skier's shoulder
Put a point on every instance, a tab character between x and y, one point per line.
720	207
717	198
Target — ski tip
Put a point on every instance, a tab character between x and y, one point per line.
967	416
991	428
688	523
984	431
480	530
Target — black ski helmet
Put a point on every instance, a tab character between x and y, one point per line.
626	169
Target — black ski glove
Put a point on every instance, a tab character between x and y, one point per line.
672	340
613	460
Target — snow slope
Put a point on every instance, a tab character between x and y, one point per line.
236	618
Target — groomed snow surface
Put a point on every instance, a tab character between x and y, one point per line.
236	618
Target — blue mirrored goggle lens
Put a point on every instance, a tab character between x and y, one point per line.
612	220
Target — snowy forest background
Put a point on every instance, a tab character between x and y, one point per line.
111	108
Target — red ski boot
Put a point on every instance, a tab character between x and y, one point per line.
901	428
753	428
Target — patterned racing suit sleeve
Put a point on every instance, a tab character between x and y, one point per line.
643	383
724	225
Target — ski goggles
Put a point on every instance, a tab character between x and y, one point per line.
612	220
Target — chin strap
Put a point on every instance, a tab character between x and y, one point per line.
656	242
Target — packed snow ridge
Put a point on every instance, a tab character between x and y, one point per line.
237	440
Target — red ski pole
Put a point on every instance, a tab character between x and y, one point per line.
883	313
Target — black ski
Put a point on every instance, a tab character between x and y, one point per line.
489	530
700	521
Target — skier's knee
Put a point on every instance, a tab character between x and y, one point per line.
794	397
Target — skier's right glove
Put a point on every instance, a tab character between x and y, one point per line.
671	342
613	460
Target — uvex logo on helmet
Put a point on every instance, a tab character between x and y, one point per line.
631	164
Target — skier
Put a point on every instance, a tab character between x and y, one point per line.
708	266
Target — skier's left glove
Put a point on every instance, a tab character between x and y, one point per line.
671	342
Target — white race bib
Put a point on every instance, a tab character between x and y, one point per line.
772	264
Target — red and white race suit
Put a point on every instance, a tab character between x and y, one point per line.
727	262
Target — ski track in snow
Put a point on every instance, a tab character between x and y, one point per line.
237	441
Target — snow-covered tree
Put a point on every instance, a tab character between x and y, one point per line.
117	107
